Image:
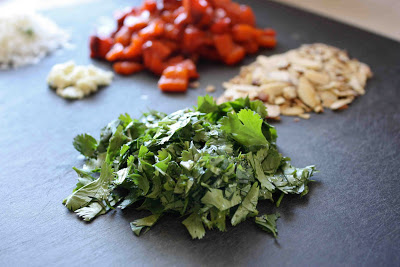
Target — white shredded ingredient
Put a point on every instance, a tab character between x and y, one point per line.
26	37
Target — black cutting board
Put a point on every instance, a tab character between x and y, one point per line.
350	217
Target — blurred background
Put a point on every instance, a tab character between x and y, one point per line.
379	16
38	4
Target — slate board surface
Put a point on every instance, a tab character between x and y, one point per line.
350	217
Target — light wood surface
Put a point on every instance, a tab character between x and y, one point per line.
379	16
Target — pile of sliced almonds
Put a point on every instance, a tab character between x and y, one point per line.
310	78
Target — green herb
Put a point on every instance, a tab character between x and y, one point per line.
210	164
268	223
28	31
85	144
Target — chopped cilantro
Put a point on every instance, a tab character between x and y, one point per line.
210	164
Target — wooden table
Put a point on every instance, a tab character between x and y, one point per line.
382	17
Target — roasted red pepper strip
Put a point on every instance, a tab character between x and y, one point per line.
168	37
127	68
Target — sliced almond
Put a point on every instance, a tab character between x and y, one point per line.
319	78
364	68
362	78
301	80
299	69
344	92
340	103
353	65
273	110
305	116
328	98
364	72
297	60
233	94
210	88
319	109
274	88
258	76
276	61
289	92
279	76
294	77
339	65
279	100
241	87
299	103
330	86
343	57
307	93
291	111
355	84
194	84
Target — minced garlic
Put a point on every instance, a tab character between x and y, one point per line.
75	82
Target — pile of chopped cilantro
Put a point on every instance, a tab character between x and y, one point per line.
210	164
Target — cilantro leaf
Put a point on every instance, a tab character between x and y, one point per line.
259	107
116	141
96	190
85	144
245	128
156	189
291	180
125	119
268	223
272	161
195	226
215	197
146	222
91	211
255	162
218	219
248	206
141	181
206	104
105	135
